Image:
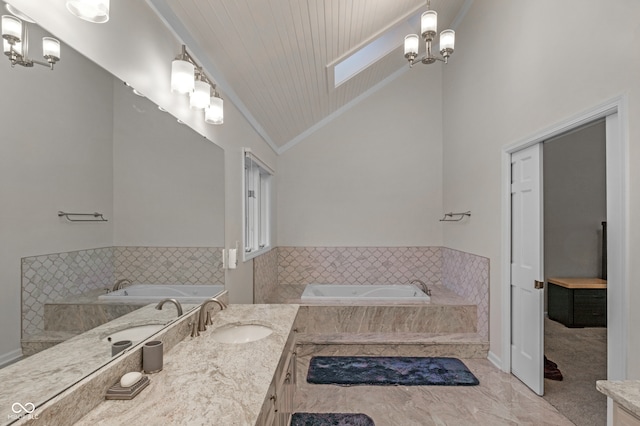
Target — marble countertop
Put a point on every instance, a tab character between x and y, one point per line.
43	375
624	392
206	382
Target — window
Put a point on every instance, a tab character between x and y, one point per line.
257	206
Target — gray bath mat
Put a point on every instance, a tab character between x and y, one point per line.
408	371
331	419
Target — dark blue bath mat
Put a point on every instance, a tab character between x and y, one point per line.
330	419
408	371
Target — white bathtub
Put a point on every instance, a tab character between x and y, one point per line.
151	293
377	293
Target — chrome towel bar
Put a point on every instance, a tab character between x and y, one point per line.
448	217
97	217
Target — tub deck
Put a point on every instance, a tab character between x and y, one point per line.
445	326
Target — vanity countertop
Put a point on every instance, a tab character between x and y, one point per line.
44	374
206	382
624	392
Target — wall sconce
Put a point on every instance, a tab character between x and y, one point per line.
429	29
188	77
15	44
96	11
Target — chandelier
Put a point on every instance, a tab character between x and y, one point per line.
15	43
429	29
188	77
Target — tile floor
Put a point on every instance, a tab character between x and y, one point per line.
500	399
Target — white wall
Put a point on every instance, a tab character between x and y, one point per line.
168	180
371	177
521	67
56	155
136	47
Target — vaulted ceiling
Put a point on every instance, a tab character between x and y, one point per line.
274	59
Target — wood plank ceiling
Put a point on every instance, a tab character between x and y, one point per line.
272	57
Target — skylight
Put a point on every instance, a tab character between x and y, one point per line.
369	54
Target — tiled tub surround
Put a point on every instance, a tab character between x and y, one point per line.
45	374
265	275
62	277
463	273
468	275
166	265
358	265
59	276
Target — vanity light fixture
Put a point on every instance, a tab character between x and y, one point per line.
15	44
215	113
188	77
199	98
429	29
96	11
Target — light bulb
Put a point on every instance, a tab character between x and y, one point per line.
215	113
447	42
182	76
429	23
411	43
199	98
50	48
11	28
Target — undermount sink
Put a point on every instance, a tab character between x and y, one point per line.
241	333
135	334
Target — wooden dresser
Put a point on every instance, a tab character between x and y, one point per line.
578	302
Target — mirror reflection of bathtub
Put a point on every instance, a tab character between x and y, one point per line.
153	293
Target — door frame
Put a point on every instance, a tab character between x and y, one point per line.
617	225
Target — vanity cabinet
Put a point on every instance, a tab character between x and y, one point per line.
622	417
278	404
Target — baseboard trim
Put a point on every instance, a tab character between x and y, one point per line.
495	360
10	357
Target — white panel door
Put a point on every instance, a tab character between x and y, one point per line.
527	326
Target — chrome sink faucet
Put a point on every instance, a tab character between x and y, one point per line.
121	283
205	318
422	284
174	301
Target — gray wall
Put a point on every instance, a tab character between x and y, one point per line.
574	202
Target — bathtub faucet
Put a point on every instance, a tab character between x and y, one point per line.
426	289
174	301
121	283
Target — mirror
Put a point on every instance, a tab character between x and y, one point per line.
77	140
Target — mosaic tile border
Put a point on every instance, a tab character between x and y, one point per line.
169	265
265	275
358	265
58	276
468	275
